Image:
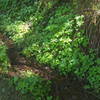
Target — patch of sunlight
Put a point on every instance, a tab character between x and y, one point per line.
27	73
1	42
19	29
24	28
96	6
3	71
18	36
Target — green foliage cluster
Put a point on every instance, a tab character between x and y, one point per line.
89	70
4	61
94	78
58	43
34	86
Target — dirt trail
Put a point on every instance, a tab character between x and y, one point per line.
21	63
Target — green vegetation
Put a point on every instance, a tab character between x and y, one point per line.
50	33
34	86
4	61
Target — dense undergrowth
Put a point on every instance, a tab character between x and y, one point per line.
50	34
33	85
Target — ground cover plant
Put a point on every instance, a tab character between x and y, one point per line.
4	60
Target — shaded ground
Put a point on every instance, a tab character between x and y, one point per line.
8	92
69	89
62	86
66	92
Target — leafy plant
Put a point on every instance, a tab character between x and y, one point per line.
59	41
4	61
38	87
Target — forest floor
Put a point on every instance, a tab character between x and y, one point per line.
7	91
69	91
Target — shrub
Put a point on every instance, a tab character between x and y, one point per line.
58	44
34	86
